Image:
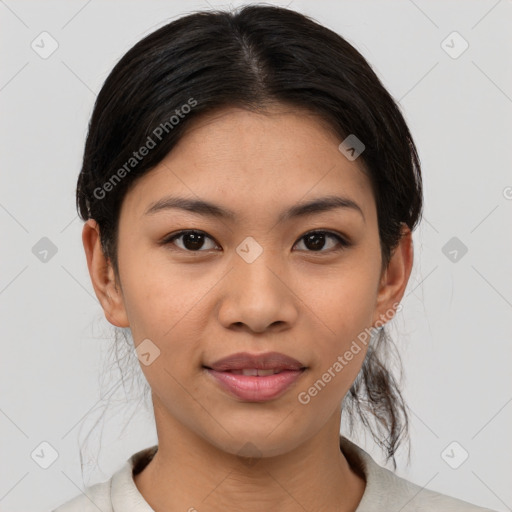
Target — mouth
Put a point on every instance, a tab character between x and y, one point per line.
255	372
256	378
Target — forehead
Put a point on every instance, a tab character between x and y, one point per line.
253	161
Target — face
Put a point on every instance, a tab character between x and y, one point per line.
199	286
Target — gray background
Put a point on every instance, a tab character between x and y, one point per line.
454	332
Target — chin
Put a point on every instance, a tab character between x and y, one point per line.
257	441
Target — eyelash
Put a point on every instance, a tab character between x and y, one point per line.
343	243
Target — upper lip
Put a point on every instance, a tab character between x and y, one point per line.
265	361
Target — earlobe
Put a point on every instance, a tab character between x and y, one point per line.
102	276
394	279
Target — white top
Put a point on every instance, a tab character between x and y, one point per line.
384	492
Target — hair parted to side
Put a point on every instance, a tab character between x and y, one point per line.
253	57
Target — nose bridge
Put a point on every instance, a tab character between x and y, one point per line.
256	265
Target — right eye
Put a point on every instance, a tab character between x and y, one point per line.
192	240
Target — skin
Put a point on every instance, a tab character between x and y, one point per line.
200	305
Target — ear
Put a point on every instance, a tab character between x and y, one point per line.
394	279
102	274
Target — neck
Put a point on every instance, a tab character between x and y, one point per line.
192	474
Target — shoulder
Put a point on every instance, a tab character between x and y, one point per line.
387	491
92	499
410	497
119	493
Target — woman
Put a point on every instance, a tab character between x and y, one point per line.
250	190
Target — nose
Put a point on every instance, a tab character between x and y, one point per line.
257	296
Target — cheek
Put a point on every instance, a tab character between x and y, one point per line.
343	316
339	354
167	317
345	301
155	298
166	308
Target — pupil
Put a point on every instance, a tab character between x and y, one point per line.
193	240
320	241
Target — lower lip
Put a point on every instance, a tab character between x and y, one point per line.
256	389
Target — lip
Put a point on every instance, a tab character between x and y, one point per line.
264	361
256	388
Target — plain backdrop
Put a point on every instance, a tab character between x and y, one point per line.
454	332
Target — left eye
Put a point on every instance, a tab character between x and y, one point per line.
193	241
316	240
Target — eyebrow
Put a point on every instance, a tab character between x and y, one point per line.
205	208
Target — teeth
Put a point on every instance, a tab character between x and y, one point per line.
255	372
